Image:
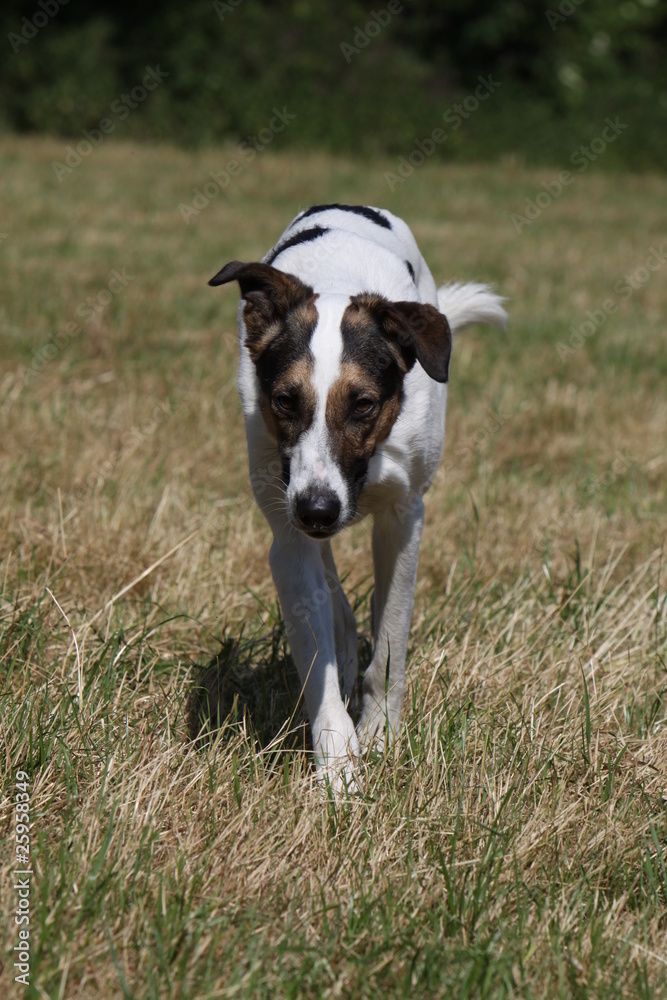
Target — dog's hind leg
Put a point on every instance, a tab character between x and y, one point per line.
345	631
396	541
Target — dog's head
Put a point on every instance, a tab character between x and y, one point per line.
330	370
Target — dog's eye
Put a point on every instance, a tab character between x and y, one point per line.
285	403
364	407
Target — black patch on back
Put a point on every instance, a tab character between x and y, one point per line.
367	213
305	236
411	270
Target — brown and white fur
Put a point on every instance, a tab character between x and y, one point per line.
345	344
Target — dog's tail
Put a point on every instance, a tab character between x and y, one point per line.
471	303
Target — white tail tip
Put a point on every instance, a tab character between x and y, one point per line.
464	304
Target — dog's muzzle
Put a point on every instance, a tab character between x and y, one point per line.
318	512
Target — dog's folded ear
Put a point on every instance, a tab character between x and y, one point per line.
419	332
428	333
269	295
280	290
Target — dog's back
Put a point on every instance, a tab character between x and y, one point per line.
354	249
329	246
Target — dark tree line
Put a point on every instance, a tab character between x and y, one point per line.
356	78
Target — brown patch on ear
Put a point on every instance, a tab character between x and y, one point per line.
258	332
362	317
269	294
284	290
431	335
419	332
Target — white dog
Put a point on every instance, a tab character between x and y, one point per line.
345	344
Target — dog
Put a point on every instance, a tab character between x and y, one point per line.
345	344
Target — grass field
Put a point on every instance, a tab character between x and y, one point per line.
514	841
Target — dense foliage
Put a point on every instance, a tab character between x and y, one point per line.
355	78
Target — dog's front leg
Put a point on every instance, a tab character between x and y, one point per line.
299	574
396	539
345	631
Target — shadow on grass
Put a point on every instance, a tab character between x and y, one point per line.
253	686
250	686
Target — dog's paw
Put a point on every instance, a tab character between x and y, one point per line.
376	726
336	752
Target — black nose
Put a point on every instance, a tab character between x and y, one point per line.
318	510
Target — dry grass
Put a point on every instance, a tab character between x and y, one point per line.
513	843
